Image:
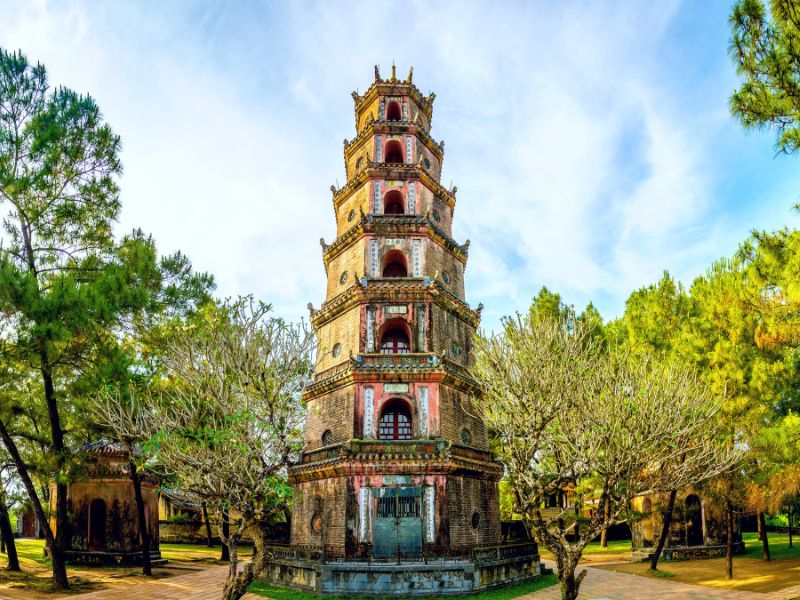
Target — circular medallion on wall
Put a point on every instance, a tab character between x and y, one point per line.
445	276
476	519
426	162
327	438
466	437
337	349
436	216
359	162
343	278
316	523
351	216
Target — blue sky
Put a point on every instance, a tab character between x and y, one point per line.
590	141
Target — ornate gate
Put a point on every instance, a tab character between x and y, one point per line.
398	524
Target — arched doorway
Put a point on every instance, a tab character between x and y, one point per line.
394	152
393	112
694	520
395	339
393	203
97	525
395	421
394	264
647	522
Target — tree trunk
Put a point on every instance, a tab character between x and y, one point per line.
57	560
762	524
604	534
791	513
729	543
226	531
8	537
144	534
666	518
758	525
57	435
209	540
568	582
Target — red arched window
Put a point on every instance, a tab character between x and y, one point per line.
395	339
395	423
394	264
394	152
393	112
393	203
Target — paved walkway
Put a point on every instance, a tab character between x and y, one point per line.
600	584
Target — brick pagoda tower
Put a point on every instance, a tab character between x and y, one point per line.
396	466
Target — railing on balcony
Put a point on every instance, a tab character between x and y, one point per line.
504	551
413	360
422	449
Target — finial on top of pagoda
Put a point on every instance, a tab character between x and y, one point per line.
377	73
410	75
394	72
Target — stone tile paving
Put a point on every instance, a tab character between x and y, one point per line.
610	585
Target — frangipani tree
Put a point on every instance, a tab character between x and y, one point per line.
228	420
569	414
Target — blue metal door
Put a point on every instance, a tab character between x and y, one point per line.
398	524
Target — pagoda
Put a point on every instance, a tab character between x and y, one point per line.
397	491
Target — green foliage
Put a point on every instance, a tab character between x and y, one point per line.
765	47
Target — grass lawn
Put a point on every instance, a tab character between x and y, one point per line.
749	571
617	550
261	588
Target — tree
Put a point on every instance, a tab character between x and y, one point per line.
230	419
6	504
765	47
606	425
67	287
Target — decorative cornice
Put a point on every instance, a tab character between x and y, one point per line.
392	457
391	224
393	171
389	87
412	289
392	127
390	368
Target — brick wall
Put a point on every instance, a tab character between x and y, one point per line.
329	498
344	330
454	418
448	330
334	411
466	497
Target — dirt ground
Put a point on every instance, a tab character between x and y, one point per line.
34	583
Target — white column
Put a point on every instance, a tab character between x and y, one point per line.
373	258
422	411
369	413
428	503
376	198
415	258
364	514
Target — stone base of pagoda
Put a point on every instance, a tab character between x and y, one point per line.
484	568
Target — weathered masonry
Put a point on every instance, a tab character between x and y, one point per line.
397	490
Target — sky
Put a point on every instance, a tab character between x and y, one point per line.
591	142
